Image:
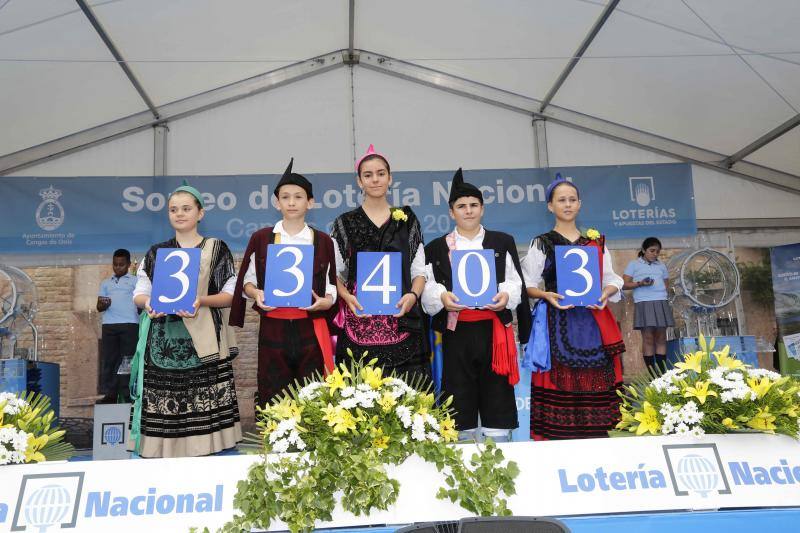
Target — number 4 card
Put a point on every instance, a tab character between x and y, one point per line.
474	277
175	274
379	282
287	281
578	275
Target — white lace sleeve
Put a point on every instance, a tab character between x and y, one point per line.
533	265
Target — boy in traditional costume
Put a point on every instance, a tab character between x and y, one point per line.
480	365
293	343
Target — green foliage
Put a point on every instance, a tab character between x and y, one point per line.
345	430
757	279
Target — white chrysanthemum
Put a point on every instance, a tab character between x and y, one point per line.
310	391
404	413
367	398
280	446
716	373
363	387
697	432
672	418
432	422
348	391
667	428
14	404
763	372
666	408
349	403
672	389
682	429
13	444
433	436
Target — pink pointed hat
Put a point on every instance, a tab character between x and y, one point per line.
370	151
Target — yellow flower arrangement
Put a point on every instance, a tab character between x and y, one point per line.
28	433
345	429
592	234
711	392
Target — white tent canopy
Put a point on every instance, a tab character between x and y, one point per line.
138	87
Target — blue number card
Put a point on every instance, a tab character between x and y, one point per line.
288	277
578	275
379	282
175	274
474	277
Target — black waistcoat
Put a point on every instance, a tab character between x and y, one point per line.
437	254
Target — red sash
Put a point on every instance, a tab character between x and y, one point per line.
609	330
504	349
320	331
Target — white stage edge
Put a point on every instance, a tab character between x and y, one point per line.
561	478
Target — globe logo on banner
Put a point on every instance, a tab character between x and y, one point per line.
696	469
50	213
48	500
112	434
47	506
697	473
643	190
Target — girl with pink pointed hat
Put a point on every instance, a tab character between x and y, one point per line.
399	341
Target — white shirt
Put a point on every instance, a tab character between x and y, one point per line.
432	295
417	264
533	265
143	285
305	236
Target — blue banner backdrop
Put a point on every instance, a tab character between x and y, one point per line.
99	214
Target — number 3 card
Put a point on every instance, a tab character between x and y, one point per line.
474	277
578	275
379	282
288	277
175	274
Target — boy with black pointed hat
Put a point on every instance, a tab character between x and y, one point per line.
293	343
480	356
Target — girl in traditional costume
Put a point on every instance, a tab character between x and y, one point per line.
182	377
574	391
399	340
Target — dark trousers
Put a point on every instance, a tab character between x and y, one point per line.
118	341
467	375
288	351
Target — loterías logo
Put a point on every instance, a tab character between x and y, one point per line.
643	190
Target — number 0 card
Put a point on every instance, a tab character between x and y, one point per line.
175	274
578	275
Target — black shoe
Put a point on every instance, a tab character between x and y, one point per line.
106	400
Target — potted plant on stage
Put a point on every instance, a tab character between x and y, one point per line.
345	430
27	430
711	392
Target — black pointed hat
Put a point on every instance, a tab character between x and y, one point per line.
290	178
459	188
